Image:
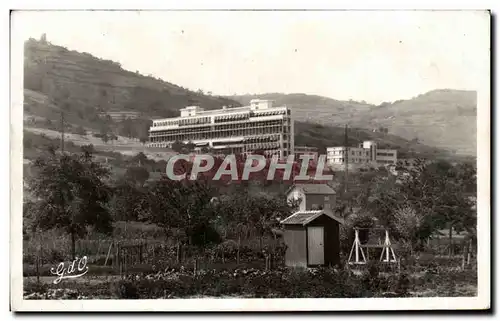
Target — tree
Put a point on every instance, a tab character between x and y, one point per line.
184	205
265	214
189	147
424	197
137	175
407	223
81	131
140	159
113	137
129	203
177	146
71	194
127	128
143	139
89	149
105	133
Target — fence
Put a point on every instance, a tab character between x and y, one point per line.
126	258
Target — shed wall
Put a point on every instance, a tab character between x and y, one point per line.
295	239
332	239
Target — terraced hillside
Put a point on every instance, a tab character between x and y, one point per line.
93	85
90	92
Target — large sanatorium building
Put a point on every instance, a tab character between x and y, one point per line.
240	130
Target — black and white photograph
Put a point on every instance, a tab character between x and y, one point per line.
189	160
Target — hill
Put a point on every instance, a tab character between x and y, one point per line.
98	97
441	118
321	136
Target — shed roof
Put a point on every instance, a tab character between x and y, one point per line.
314	188
306	217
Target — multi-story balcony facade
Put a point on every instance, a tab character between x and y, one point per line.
241	130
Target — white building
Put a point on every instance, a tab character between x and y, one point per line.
305	150
366	153
258	127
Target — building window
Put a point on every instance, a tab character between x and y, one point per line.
327	198
316	207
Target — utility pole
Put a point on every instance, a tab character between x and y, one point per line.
346	159
62	131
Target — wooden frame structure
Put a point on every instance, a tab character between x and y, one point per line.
387	255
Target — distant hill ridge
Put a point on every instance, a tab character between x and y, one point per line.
445	118
87	89
94	85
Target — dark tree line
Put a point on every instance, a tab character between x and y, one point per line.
74	192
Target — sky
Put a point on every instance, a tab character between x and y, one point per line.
371	56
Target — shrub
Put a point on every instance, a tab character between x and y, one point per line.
125	289
402	285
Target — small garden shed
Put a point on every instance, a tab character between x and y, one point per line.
312	239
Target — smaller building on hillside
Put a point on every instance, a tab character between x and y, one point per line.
312	233
121	115
366	154
312	196
306	150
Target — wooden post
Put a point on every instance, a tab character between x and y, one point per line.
120	264
39	256
98	247
238	253
38	269
109	252
451	241
117	256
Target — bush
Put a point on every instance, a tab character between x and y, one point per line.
125	289
402	285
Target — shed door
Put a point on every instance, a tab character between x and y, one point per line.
316	249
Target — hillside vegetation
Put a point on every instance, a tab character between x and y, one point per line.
439	118
85	88
320	136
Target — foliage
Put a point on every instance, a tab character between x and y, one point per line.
184	205
422	198
242	211
181	147
137	175
125	289
129	203
70	194
253	283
